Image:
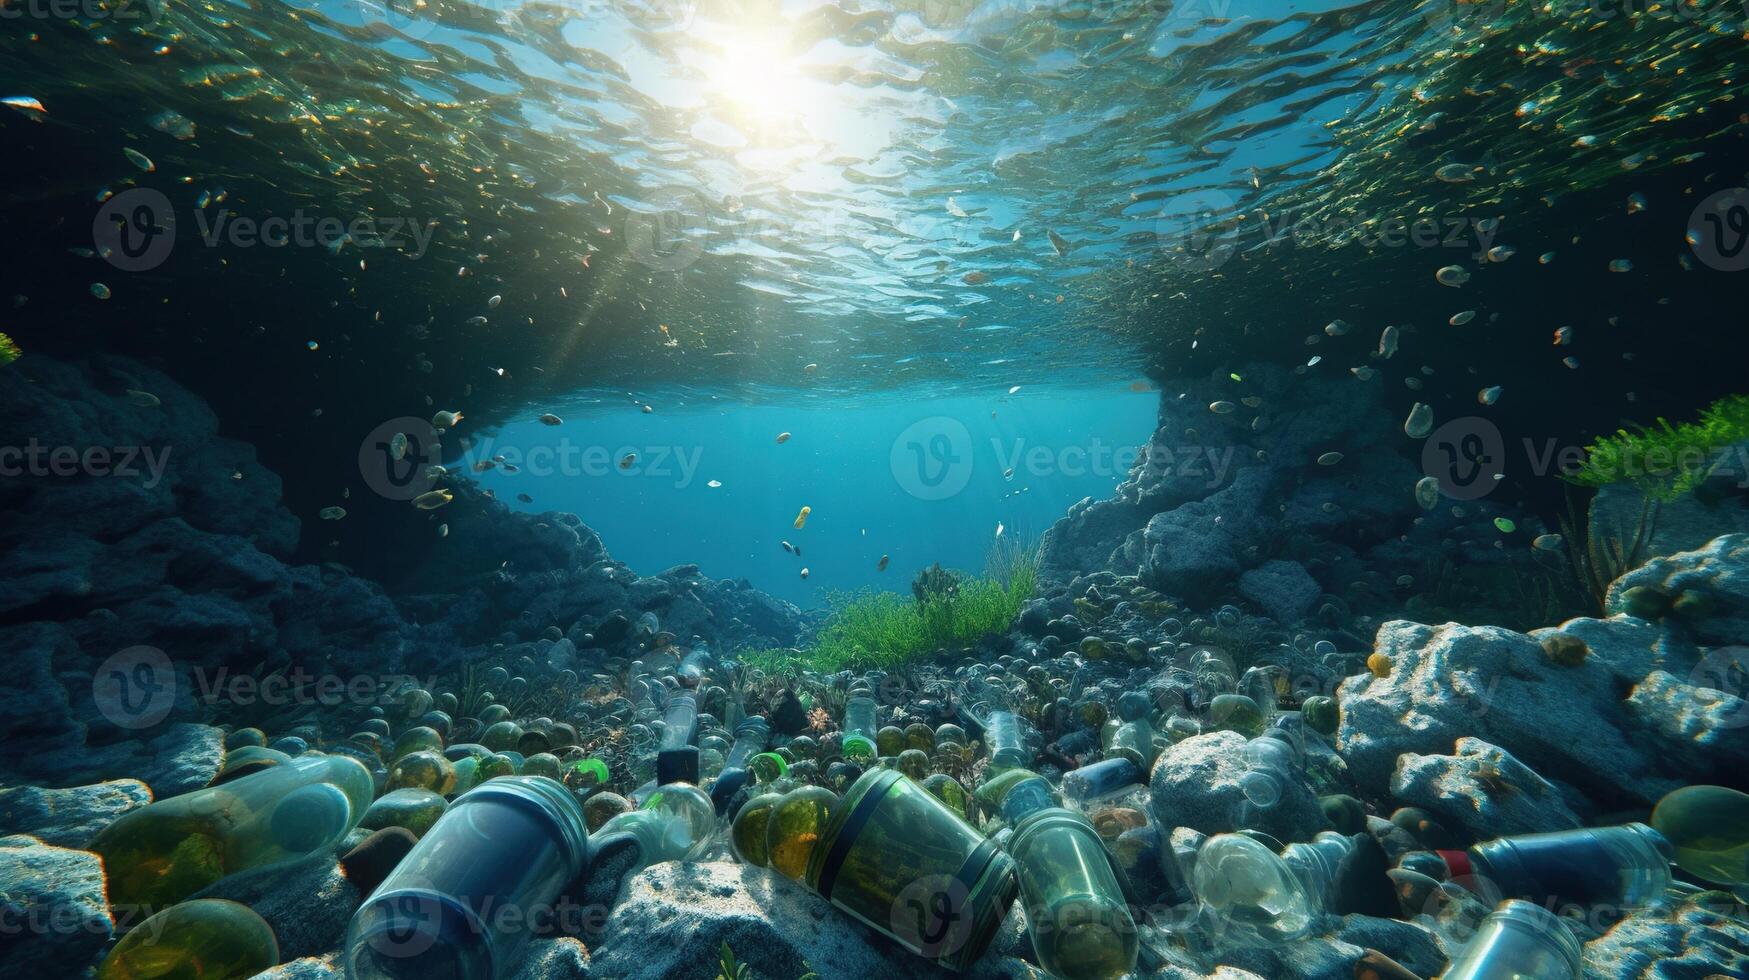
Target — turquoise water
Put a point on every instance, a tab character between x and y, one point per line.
918	479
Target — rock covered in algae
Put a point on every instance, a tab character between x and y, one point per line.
1482	789
412	808
423	770
1201	783
202	939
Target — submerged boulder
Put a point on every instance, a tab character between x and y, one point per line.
56	908
1284	589
1482	789
1704	592
1202	783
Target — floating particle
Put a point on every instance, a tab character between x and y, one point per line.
1563	336
1489	396
713	484
551	419
782	437
477	321
1315	361
647	409
810	368
1330	459
1546	258
999	528
1222	408
626	461
313	345
1457	173
1501	253
398	446
1636	203
1505	525
445	420
142	399
1452	275
881	566
1427	492
1461	319
484	465
443	530
1572	363
525	498
1336	328
954	209
332	513
1008	474
1058	242
139	159
1235	377
433	499
802	516
1388	341
1548	542
1420	421
25	104
1621	265
174	123
1362	372
1251	401
100	291
1014	389
974	278
492	303
787	547
1412	383
804	573
1404	581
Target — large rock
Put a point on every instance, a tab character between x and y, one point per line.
70	817
56	910
308	904
1284	589
1690	943
1197	783
672	920
1448	682
1483	790
1708	589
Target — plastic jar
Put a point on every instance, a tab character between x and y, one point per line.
1519	941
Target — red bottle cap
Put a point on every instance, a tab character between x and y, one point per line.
1457	861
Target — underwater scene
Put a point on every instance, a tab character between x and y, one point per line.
827	489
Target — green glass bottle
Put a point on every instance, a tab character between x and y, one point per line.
1077	913
206	939
1708	826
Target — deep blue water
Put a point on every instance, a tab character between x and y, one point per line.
916	478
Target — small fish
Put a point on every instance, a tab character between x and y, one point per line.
1388	341
647	409
477	321
713	484
1563	336
551	419
139	159
802	517
1545	258
445	420
443	530
999	528
332	513
25	104
1489	396
1223	408
1452	275
1336	328
1501	253
484	465
1460	319
1362	372
1548	542
525	498
142	399
1014	389
788	548
433	499
782	437
804	573
1419	422
1457	173
1058	242
1636	203
1008	474
626	461
492	303
100	291
881	566
1330	459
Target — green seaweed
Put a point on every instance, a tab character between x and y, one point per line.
9	350
1665	461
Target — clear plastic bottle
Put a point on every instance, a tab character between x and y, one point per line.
1249	892
1076	910
676	823
859	727
677	758
1627	866
751	736
1101	779
1016	794
160	854
1519	941
460	905
1315	863
1006	738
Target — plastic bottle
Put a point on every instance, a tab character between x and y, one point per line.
859	727
677	759
1014	795
1249	892
675	823
751	736
160	854
1315	863
1076	910
460	904
1709	827
1101	779
1007	741
1519	940
903	863
1626	866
